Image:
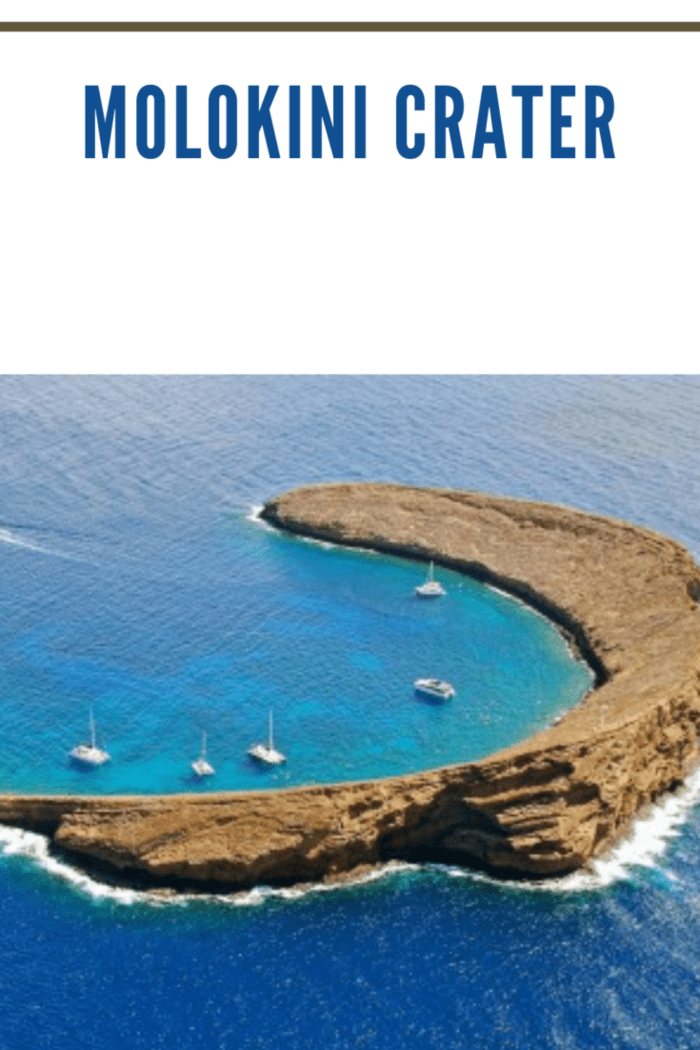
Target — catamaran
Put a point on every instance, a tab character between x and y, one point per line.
431	588
267	752
200	765
435	688
90	754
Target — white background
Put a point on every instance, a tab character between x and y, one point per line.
381	265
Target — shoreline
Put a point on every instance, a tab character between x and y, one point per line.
542	808
256	516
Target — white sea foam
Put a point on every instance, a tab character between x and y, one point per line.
325	544
643	847
649	837
254	516
14	841
260	894
254	512
36	848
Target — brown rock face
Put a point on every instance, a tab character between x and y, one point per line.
624	595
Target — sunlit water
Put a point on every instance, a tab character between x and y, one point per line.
134	580
328	639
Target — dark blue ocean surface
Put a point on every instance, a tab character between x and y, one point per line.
134	581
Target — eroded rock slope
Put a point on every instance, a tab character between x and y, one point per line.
625	596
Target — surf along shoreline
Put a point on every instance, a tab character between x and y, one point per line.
624	596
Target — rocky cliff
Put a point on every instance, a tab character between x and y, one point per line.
625	596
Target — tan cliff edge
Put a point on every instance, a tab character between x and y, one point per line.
624	595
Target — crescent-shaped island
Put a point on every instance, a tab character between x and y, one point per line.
626	599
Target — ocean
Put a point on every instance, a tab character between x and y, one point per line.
138	582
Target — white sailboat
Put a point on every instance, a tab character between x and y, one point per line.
431	588
267	752
200	765
90	754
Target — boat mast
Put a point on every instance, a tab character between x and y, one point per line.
92	730
269	744
204	746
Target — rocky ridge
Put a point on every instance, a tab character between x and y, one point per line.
626	597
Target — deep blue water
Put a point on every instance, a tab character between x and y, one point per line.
132	579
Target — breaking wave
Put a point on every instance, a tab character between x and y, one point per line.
254	516
37	848
644	846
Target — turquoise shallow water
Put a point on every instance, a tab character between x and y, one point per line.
132	579
212	631
330	640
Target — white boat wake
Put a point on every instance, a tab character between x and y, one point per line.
9	537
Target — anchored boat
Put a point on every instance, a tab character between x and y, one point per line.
200	765
267	752
90	754
435	688
431	588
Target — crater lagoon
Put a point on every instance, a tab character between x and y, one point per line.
133	581
328	639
